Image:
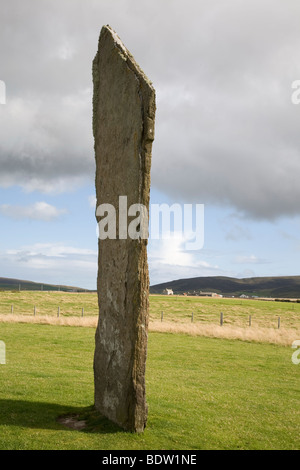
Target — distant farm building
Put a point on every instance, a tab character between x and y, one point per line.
210	294
168	292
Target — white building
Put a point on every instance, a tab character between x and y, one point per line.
168	292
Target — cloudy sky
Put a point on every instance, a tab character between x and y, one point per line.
227	133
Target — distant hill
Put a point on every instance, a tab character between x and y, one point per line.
276	287
19	284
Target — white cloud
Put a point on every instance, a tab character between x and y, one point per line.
250	259
52	250
170	252
55	263
169	260
37	211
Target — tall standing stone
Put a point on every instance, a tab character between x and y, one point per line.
123	126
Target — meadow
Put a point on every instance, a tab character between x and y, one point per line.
204	391
245	319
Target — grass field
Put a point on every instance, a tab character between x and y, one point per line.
192	315
235	311
175	308
203	393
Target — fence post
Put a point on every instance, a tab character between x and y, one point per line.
192	319
221	319
82	311
58	311
34	311
162	316
249	320
12	309
278	322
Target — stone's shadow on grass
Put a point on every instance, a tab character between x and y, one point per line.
40	415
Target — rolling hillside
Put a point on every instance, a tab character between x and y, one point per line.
19	284
278	287
275	287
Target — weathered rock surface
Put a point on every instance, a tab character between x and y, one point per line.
123	126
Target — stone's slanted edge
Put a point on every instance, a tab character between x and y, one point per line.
137	407
127	55
146	85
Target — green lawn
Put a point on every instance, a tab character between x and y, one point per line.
202	393
47	303
236	312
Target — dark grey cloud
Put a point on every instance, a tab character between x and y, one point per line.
227	131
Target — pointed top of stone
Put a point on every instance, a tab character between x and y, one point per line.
110	45
107	33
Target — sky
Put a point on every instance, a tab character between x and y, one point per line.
226	134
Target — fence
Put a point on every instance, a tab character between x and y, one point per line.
223	319
58	311
220	319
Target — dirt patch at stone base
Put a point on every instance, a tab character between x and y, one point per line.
72	422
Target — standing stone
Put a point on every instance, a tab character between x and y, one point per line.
123	126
